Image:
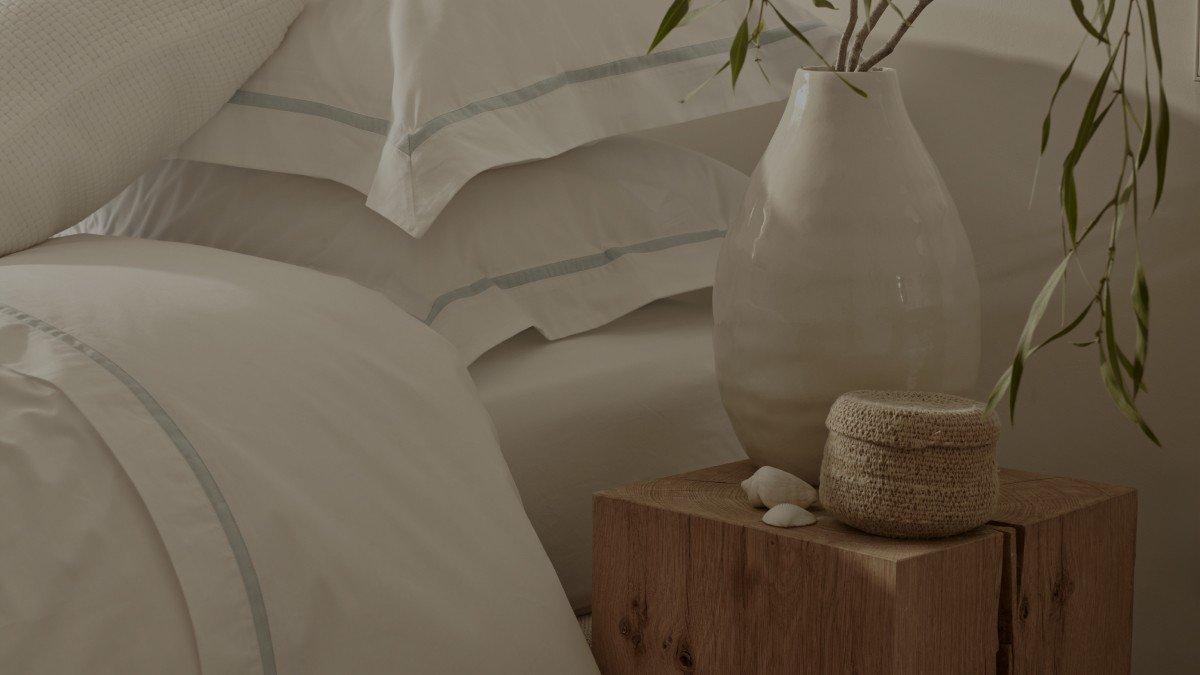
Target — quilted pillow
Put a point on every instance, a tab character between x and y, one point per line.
95	91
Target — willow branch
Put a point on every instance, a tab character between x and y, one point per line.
849	32
887	49
867	27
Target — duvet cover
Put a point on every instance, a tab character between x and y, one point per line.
213	462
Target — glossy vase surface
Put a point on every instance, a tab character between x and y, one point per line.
847	269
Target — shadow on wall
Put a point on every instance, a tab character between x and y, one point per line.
980	117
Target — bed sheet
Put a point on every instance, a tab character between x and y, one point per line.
215	463
632	400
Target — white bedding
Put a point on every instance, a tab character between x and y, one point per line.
631	400
406	100
565	244
93	92
212	462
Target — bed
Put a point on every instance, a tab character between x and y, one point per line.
211	462
265	453
631	400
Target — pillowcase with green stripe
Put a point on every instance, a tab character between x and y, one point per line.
406	100
564	245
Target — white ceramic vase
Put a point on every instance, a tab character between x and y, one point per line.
847	269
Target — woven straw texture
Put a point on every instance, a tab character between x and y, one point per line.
909	464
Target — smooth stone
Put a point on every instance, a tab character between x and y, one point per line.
770	486
788	515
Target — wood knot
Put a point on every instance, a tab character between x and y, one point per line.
684	659
634	635
1024	608
1063	589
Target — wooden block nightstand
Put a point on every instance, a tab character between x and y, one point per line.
688	578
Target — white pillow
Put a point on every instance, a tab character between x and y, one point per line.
566	244
406	100
92	92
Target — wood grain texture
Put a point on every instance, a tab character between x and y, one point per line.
1068	604
688	579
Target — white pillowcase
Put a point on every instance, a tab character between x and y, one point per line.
564	245
406	100
92	92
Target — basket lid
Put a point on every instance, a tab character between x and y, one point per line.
912	420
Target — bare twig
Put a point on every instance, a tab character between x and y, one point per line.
849	32
886	50
861	39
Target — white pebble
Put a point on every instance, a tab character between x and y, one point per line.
770	486
788	515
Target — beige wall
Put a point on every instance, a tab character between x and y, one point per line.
977	76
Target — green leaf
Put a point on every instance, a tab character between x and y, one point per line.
705	83
1070	200
903	19
694	14
1091	117
1025	343
1065	330
1062	79
737	51
1110	371
1087	129
1152	17
1164	115
675	14
800	36
1147	123
1077	5
1110	339
1140	294
1162	141
999	390
1108	15
1147	132
1140	297
825	4
1006	380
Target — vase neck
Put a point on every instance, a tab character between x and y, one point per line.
824	92
826	118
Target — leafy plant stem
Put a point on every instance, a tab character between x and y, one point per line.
890	45
861	39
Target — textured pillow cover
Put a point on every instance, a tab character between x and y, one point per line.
92	92
566	244
406	100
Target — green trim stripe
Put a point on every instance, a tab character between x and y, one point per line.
631	64
208	484
256	99
410	142
564	267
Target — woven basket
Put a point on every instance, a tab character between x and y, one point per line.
909	464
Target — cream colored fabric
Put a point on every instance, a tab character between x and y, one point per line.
92	92
215	462
632	400
566	244
406	100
